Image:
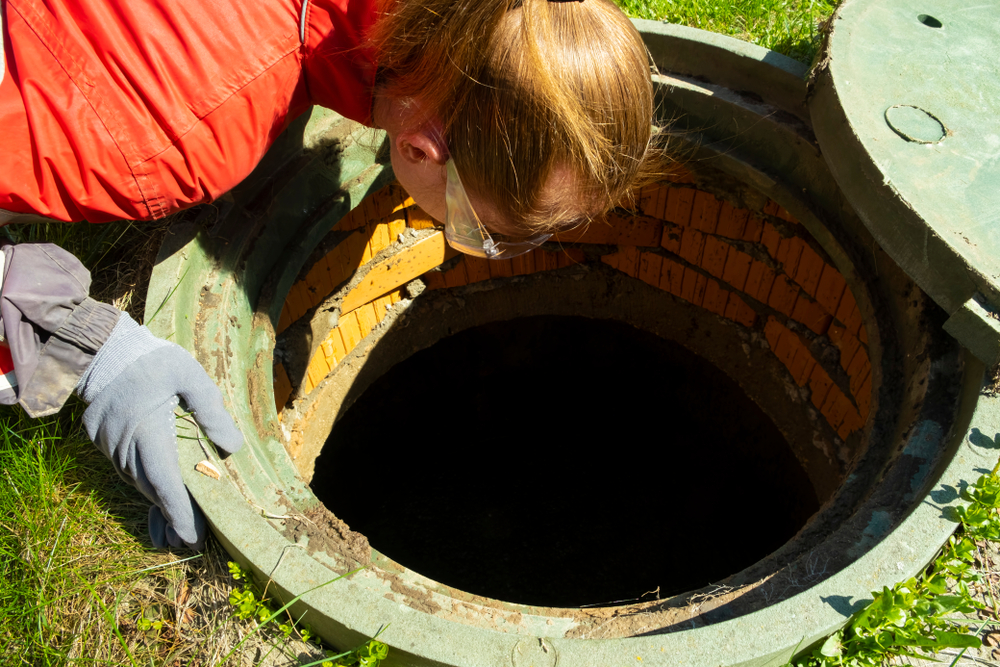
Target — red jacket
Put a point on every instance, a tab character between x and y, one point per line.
136	108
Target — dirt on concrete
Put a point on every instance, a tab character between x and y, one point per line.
325	532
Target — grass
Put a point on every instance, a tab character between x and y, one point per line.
79	581
791	27
77	573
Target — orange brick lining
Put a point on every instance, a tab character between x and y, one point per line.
378	220
756	269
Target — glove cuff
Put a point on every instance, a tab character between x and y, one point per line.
128	341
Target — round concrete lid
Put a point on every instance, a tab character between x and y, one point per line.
906	107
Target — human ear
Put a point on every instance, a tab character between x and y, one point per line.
420	146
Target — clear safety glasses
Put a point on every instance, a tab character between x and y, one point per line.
466	233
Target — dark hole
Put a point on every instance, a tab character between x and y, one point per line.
563	461
929	21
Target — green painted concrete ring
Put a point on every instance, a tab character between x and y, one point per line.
217	291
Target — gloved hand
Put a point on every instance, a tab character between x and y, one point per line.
133	385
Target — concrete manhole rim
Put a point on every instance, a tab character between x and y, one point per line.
761	638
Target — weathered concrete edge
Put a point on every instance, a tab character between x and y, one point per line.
764	638
728	62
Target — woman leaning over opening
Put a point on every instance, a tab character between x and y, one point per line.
507	120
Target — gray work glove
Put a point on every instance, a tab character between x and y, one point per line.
133	385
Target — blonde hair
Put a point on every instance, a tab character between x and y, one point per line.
527	89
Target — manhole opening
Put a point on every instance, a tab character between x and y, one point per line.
563	461
747	290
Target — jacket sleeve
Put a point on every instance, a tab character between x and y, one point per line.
52	326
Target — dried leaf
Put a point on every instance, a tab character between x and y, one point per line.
182	594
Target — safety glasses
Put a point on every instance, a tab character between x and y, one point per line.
465	233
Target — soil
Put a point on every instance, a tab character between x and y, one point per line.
545	481
329	534
992	382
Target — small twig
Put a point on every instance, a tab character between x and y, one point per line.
610	603
73	560
161	565
282	517
718	591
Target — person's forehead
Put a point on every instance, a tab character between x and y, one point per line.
497	225
561	192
